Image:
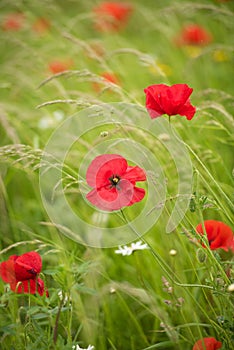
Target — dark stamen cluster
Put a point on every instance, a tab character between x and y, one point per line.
114	180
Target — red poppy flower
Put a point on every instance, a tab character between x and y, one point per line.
21	272
171	100
219	235
207	344
113	182
194	34
60	66
111	16
13	22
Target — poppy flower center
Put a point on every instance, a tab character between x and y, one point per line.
32	271
114	180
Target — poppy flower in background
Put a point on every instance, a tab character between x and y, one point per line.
21	272
219	235
58	66
207	344
108	77
171	100
113	182
41	25
193	34
13	22
111	16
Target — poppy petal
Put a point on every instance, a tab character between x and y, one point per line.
218	233
138	195
110	16
193	34
41	287
107	193
153	103
113	182
187	110
113	199
94	198
134	174
103	167
7	269
30	286
208	343
27	266
180	93
171	100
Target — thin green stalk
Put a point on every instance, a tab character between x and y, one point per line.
210	175
165	267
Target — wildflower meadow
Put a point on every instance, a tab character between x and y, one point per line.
116	175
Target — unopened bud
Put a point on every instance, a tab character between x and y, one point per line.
231	287
201	255
104	133
173	252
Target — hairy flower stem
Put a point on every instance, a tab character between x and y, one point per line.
55	334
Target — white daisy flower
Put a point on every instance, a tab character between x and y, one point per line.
128	250
77	347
